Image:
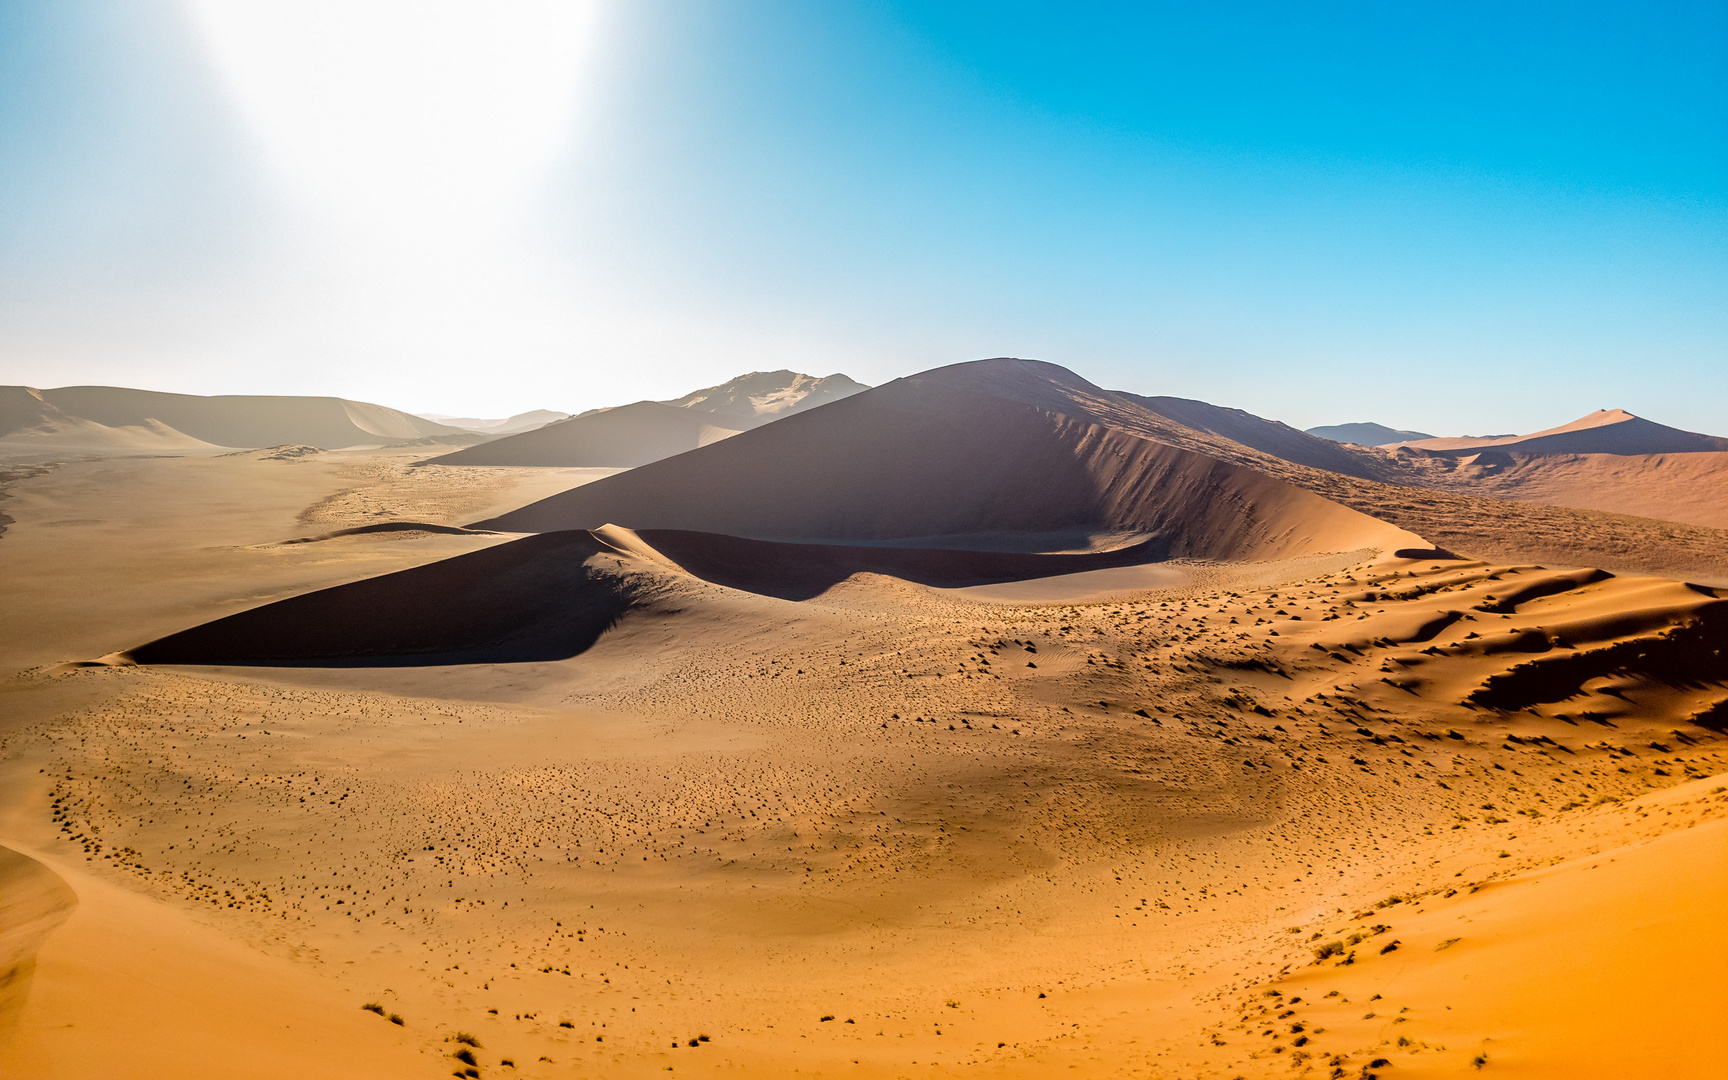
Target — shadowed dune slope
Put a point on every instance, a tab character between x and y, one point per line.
548	597
1267	436
620	438
535	599
978	449
234	420
802	571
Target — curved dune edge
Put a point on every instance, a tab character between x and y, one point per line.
129	986
551	596
33	902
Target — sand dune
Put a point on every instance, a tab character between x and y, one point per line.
1685	487
631	435
1605	431
959	453
893	448
28	421
110	415
510	425
542	598
760	396
624	437
33	901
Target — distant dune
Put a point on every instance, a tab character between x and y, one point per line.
1606	431
631	435
1000	448
111	416
620	438
1366	434
762	396
510	425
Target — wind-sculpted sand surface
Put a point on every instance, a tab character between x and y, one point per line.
1338	813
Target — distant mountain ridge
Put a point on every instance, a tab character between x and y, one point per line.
1366	434
626	436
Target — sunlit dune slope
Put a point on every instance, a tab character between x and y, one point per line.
994	448
1605	431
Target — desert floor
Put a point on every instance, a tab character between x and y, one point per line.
1189	821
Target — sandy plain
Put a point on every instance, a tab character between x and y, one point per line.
1340	814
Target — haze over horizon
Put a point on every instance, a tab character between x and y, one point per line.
1358	215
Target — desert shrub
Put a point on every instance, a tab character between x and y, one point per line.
373	1007
1330	949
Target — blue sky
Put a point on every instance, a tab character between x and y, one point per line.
1459	218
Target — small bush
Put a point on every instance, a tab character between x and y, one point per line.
1328	950
396	1018
465	1056
465	1038
373	1007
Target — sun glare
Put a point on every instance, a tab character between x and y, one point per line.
404	113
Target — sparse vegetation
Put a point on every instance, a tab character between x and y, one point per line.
1328	950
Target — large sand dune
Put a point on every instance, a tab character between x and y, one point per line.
116	416
974	451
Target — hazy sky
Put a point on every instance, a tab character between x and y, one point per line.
1458	218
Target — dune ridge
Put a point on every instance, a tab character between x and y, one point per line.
927	457
1605	431
629	435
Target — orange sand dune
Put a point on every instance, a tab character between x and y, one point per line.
1605	431
1689	487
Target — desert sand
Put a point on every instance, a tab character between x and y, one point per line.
1065	737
